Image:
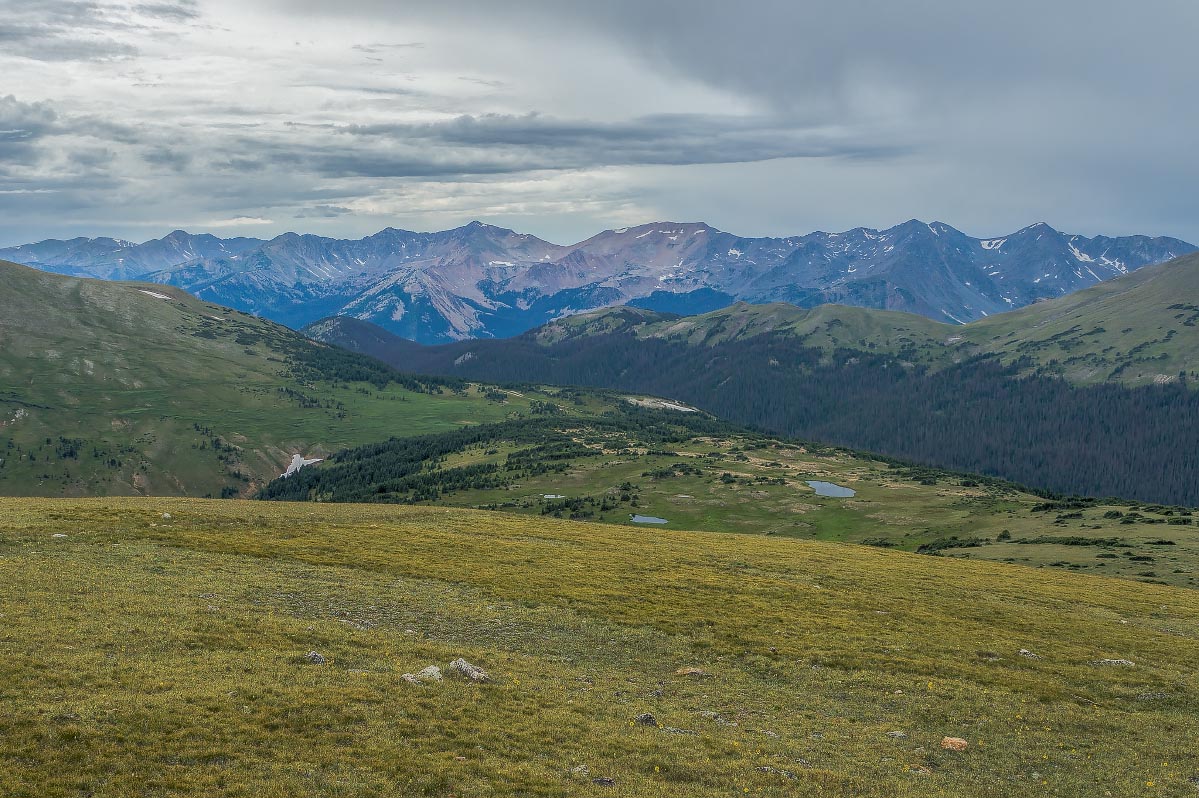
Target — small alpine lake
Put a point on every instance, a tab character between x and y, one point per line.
647	519
831	489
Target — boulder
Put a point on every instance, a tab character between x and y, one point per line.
954	744
424	676
472	672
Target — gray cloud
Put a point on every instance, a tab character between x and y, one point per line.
497	143
22	125
763	116
82	30
322	212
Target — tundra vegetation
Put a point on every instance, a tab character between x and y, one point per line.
184	647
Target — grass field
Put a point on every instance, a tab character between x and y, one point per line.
755	485
147	655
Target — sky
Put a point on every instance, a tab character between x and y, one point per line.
562	118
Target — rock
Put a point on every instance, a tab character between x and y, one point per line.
645	719
58	535
1024	652
776	771
472	672
954	744
425	676
604	781
897	735
920	770
692	671
581	770
674	730
166	516
314	658
1122	663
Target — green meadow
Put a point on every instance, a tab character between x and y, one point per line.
158	647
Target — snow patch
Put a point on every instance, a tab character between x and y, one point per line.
298	461
1079	255
993	243
156	295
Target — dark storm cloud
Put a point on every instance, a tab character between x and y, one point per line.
497	143
793	51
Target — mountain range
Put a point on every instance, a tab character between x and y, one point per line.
481	281
1089	393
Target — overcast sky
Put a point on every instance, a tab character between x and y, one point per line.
562	118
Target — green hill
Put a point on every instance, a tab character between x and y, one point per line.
1138	329
125	388
160	646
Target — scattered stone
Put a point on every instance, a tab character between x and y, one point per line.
897	735
954	744
166	516
425	676
314	658
772	735
58	535
692	671
673	730
1024	652
604	781
472	672
581	770
776	771
1123	663
645	719
920	770
1152	696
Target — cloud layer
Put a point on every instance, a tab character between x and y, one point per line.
763	116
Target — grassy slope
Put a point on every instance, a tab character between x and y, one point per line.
1138	329
152	655
131	375
894	507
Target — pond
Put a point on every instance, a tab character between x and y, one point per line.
831	489
647	519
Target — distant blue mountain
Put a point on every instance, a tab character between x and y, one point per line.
482	281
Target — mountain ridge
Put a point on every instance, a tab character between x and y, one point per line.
1090	393
483	281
